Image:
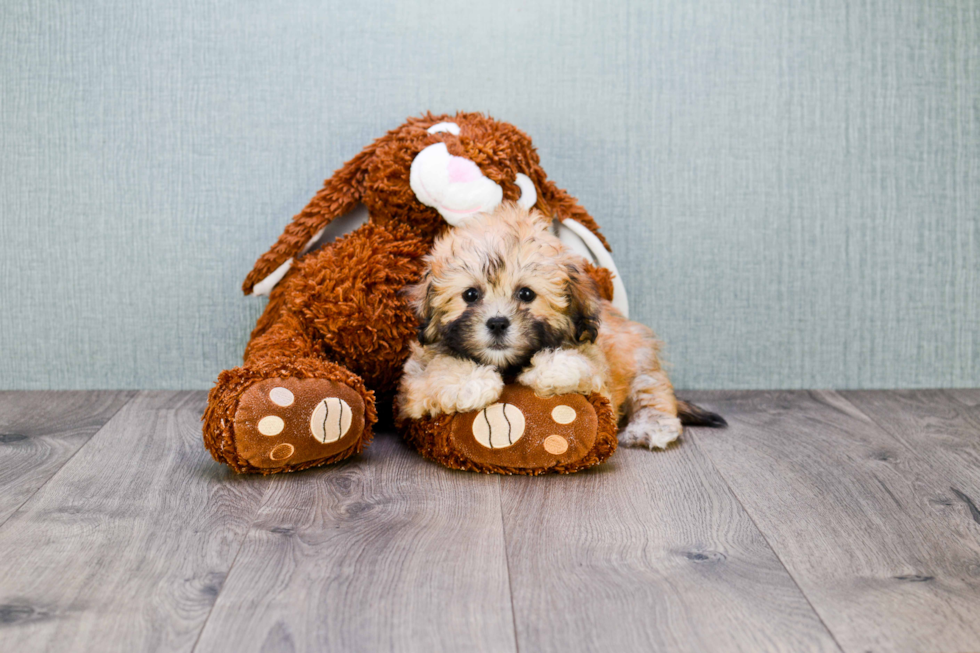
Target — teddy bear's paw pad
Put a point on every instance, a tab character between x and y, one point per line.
286	422
524	431
498	426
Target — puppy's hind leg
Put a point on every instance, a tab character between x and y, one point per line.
653	421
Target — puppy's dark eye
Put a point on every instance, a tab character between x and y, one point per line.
526	295
470	295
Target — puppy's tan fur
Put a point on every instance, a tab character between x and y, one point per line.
565	339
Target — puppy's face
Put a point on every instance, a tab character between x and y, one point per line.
501	287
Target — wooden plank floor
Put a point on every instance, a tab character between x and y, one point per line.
818	521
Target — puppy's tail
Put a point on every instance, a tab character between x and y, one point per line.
693	415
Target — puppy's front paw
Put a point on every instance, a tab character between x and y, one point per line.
476	388
561	371
446	385
477	392
651	430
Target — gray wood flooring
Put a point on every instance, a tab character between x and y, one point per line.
819	521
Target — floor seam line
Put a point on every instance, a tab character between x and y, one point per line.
69	459
510	584
234	560
910	450
765	539
893	436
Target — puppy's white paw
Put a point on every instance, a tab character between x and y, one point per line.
561	371
473	391
437	385
651	430
477	393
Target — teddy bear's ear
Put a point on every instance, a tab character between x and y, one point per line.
340	195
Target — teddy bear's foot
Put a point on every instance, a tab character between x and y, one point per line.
285	422
521	433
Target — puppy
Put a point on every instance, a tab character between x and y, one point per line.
502	300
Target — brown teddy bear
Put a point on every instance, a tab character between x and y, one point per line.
337	329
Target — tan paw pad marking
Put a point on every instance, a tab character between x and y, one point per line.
331	419
563	414
555	444
282	451
271	425
498	426
281	397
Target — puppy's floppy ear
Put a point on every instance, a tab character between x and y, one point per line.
540	220
583	301
420	299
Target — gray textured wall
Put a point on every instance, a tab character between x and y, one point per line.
792	189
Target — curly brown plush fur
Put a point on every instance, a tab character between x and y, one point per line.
378	177
437	439
219	416
338	313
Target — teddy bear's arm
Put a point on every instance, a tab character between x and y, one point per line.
339	195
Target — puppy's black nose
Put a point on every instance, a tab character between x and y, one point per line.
498	325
